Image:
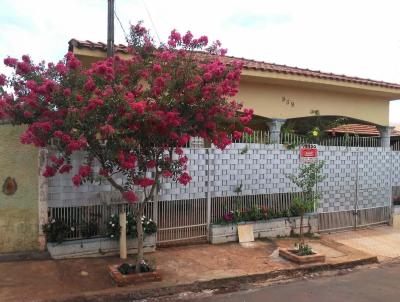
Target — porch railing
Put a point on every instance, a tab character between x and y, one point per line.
293	139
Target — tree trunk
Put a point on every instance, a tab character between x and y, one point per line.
140	236
301	229
122	237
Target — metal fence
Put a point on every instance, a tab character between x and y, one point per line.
91	220
177	220
395	146
334	221
343	141
181	220
293	139
279	202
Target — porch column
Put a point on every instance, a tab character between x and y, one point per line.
275	126
385	132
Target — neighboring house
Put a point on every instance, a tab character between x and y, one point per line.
360	130
276	93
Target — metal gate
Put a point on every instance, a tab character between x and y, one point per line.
181	221
187	221
371	193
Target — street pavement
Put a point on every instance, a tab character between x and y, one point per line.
378	283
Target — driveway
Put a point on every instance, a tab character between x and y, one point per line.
382	241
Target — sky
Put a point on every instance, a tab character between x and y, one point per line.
353	37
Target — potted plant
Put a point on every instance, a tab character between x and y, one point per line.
306	179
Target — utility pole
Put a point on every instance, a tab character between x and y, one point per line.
110	29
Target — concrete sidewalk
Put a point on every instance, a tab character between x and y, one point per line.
382	241
56	279
35	280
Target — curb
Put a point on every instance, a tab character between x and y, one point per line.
121	294
24	256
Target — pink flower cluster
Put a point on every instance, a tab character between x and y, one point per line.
133	116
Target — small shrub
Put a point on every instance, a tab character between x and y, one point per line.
113	228
89	229
229	217
306	179
248	138
304	250
278	214
56	230
149	226
255	214
126	268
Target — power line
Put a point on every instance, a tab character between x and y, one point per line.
151	20
120	24
149	15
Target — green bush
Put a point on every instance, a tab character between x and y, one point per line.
279	214
56	230
113	228
253	214
127	268
304	250
89	229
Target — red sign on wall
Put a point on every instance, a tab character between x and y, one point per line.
308	153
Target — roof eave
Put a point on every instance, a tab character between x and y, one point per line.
265	76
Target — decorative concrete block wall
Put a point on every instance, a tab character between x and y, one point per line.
198	170
263	170
62	192
370	178
395	167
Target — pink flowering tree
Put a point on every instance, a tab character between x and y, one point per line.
132	116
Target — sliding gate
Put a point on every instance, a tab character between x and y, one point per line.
359	192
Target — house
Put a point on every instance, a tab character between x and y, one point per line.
277	93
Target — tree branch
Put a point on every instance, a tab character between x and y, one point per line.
115	184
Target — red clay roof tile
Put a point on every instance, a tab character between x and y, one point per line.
255	65
359	129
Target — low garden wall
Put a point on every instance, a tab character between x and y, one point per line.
97	247
279	227
396	217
